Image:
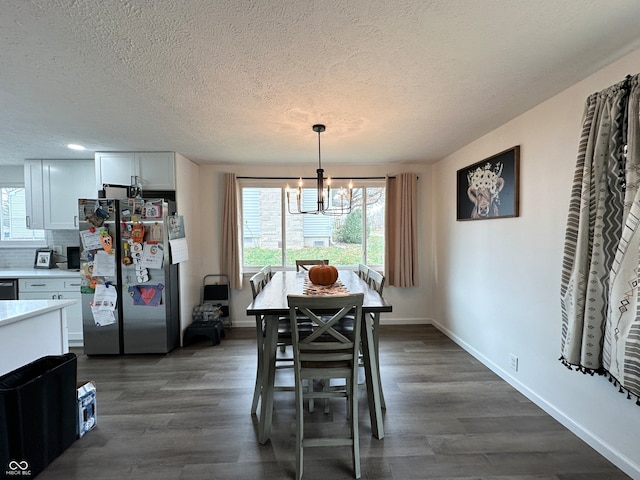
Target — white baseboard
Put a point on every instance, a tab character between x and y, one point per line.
404	321
76	340
614	456
249	322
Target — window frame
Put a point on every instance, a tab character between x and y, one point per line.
281	184
8	244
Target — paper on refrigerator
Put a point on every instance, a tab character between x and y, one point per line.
177	239
152	255
90	240
179	250
103	305
104	264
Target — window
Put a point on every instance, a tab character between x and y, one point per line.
14	231
272	236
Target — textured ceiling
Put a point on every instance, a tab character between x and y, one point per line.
243	81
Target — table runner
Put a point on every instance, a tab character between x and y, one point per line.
337	288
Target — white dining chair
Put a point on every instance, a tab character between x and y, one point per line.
326	353
258	281
376	281
268	273
363	272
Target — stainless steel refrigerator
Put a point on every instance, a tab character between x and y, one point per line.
125	258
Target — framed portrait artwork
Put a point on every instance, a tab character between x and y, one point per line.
44	259
489	188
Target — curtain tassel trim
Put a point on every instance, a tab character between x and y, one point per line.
580	368
603	373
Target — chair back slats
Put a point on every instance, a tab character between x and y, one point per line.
257	282
268	273
363	272
324	342
303	264
376	280
321	325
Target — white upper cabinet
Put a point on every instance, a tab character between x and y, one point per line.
33	193
114	168
155	170
53	188
64	182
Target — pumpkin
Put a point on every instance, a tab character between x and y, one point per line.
323	274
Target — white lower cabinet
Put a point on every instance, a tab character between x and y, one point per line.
57	289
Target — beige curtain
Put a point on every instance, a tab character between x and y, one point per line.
401	230
230	251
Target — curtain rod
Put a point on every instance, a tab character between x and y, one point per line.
314	178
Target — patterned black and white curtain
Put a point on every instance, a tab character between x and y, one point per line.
600	288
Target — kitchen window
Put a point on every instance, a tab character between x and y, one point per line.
272	236
14	231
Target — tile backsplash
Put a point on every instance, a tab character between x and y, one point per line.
24	257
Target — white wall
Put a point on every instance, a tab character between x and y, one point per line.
12	175
189	206
410	305
497	281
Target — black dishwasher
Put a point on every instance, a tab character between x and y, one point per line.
9	289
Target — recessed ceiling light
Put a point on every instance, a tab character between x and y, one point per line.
73	146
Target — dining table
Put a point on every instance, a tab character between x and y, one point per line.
271	303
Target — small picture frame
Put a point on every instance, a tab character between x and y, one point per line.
44	259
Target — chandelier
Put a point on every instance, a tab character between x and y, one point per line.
329	202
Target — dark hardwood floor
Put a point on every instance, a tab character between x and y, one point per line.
185	415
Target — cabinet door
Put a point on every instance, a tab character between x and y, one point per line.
74	312
57	289
114	168
156	170
74	317
40	295
33	194
64	182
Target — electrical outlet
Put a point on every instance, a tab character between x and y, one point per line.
513	362
57	249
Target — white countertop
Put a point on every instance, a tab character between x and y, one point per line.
15	310
31	329
38	273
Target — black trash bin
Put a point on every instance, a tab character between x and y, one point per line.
38	404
